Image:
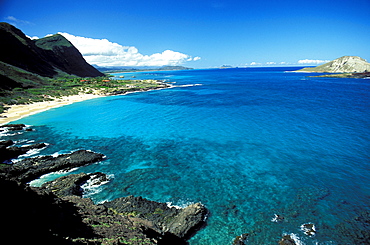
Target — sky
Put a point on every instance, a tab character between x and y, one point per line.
200	33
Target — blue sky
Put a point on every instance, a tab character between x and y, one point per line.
199	33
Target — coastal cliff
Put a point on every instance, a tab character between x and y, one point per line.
345	64
57	213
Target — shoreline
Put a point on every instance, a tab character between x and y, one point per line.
16	112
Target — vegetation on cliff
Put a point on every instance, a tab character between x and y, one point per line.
49	68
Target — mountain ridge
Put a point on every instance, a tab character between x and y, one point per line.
48	57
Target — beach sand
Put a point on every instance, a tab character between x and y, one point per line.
16	112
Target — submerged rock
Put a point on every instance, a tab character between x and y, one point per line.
241	240
309	229
287	240
277	218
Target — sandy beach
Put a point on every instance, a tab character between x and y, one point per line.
16	112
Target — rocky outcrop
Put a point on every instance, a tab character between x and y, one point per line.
56	213
345	64
130	219
162	220
180	222
241	240
107	227
59	215
347	75
287	240
72	184
32	168
8	152
13	127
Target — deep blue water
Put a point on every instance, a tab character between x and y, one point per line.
247	143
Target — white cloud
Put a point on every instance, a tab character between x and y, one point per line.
102	52
14	21
255	63
307	61
33	38
270	63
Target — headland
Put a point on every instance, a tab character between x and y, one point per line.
57	213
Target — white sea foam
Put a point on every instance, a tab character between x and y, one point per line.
7	132
180	205
27	141
49	177
31	152
103	201
295	238
277	218
309	229
94	185
188	85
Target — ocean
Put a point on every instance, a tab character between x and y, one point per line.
266	150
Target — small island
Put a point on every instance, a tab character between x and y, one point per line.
343	67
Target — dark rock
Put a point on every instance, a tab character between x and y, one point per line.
130	217
119	229
71	184
6	143
241	240
48	219
309	229
7	153
38	218
36	146
277	218
98	178
44	56
32	168
14	127
180	222
287	240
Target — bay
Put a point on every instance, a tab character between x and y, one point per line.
248	143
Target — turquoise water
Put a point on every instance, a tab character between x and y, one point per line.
247	143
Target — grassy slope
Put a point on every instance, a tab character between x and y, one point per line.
48	89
